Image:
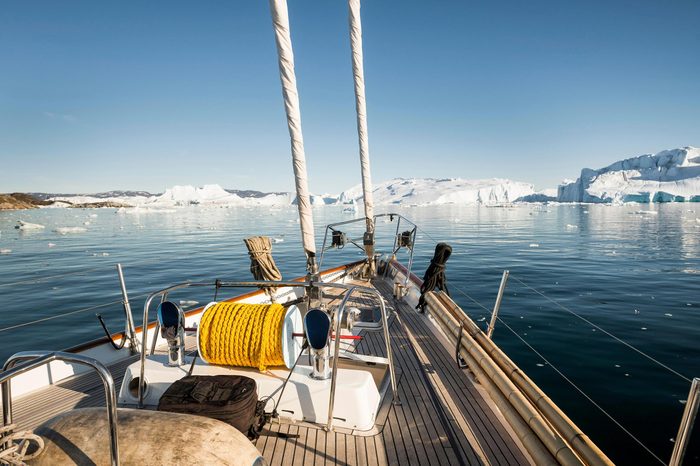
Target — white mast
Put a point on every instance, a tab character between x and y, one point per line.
280	21
359	77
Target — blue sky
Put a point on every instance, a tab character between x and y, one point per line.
146	95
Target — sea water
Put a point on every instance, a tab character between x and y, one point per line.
632	271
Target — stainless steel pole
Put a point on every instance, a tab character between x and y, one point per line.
687	422
130	329
497	306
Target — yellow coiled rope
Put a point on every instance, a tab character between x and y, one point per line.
237	334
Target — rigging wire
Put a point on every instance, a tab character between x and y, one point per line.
91	308
558	304
573	384
619	340
103	267
563	376
78	311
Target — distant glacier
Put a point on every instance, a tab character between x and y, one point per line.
668	176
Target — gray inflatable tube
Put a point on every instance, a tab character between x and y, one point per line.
81	437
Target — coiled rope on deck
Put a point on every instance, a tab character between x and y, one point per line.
239	334
18	451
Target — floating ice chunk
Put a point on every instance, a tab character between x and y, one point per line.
683	401
188	303
617	365
646	212
278	240
5	251
52	245
481	319
668	314
28	226
540	364
571	227
644	328
86	223
534	245
69	230
100	254
93	215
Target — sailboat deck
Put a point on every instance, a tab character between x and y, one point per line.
443	417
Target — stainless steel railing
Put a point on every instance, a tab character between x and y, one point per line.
336	352
350	289
395	247
39	358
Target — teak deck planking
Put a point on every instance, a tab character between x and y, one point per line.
440	407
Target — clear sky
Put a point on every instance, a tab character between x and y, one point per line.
145	95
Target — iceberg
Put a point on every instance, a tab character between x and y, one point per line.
190	195
214	195
431	191
69	230
668	176
21	225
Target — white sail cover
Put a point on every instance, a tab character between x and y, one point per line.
359	75
280	21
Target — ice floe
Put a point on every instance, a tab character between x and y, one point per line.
69	230
21	225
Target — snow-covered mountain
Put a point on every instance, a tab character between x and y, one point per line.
668	176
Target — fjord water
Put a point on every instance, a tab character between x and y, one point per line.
632	270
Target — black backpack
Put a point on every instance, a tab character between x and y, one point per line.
232	399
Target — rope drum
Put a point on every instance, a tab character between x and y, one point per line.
238	334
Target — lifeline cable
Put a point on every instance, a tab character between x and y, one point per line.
609	416
619	340
563	376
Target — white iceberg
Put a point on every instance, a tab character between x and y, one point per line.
431	191
668	176
21	225
69	230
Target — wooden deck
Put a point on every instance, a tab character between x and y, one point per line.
443	416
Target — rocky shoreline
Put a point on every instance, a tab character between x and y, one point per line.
22	201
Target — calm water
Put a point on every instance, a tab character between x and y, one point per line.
634	274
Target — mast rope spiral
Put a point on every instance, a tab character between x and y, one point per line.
240	334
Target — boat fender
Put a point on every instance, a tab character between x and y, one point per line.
156	438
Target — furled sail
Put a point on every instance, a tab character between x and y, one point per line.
280	22
361	107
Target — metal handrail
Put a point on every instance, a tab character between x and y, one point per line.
130	330
336	352
687	423
39	358
357	220
257	284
